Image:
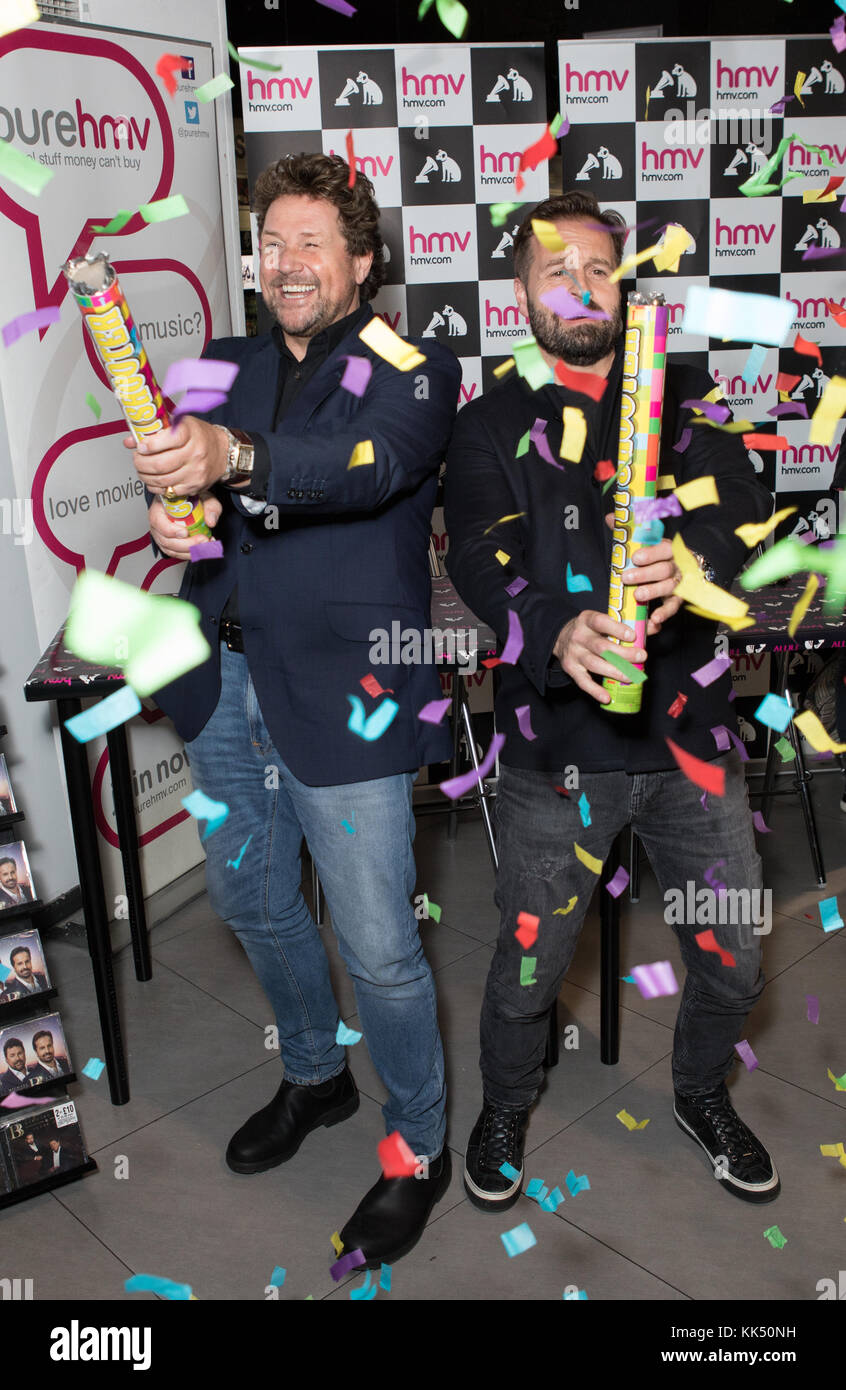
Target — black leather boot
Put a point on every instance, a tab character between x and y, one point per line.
390	1218
274	1134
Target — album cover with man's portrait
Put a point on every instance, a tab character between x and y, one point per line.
33	1053
16	885
7	796
37	1143
23	970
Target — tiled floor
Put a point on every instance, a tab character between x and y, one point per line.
654	1224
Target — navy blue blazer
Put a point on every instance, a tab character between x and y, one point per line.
345	555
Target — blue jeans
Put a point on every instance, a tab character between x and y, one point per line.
539	872
368	878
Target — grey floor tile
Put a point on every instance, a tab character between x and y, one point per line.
42	1240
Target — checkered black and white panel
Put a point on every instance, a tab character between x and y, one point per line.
669	129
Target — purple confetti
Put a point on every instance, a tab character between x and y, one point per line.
566	306
732	695
618	883
197	403
434	712
517	586
629	227
685	439
818	253
759	823
790	408
524	722
357	373
655	979
713	410
703	801
738	742
813	1008
747	1054
199	374
514	642
340	5
651	508
346	1263
838	36
206	550
711	879
711	671
27	323
721	737
537	435
777	108
457	786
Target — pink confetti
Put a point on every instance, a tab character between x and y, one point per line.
206	550
15	1102
813	1008
517	586
455	787
340	5
514	643
27	323
711	671
759	823
434	712
357	374
566	306
537	435
747	1054
524	722
655	979
685	439
618	883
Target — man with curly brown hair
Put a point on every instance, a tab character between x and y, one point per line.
322	499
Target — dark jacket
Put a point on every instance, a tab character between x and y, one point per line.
350	556
484	482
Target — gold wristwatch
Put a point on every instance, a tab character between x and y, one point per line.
239	460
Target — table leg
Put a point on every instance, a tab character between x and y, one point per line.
127	830
93	902
480	789
455	713
803	777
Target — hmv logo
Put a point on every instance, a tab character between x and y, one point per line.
814	310
371	165
668	166
268	88
436	248
509	315
751	77
745	232
594	80
430	84
737	386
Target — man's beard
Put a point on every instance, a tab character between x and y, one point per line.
577	344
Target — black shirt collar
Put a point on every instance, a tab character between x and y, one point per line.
325	342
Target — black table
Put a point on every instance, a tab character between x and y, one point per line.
61	676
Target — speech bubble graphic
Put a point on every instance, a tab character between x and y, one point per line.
102	112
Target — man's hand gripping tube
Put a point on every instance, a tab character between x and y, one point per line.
644	359
103	306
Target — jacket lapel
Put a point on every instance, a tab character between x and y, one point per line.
325	379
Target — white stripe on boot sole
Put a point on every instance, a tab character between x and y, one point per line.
492	1196
727	1177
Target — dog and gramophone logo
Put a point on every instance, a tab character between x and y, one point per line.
449	314
600	159
509	86
438	170
357	88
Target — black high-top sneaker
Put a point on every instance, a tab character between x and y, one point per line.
498	1137
739	1158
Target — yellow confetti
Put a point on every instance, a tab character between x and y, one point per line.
814	195
731	427
575	434
666	483
502	557
646	118
831	406
709	599
753	532
511	517
361	454
832	1150
802	605
338	1243
562	911
629	1120
15	14
676	241
822	742
504	367
547	235
797	86
699	492
595	865
838	1086
629	262
388	344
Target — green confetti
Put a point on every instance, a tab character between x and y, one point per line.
759	186
94	405
527	970
634	675
776	1239
253	62
215	87
555	125
786	749
500	212
611	481
432	909
451	13
530	363
523	444
22	170
165	208
119	221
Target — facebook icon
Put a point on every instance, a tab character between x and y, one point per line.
192	113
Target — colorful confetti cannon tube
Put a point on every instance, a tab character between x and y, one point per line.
103	306
644	359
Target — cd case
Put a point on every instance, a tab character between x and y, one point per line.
38	1143
23	972
33	1053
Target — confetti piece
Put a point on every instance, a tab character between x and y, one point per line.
502	556
527	970
649	508
830	914
372	686
347	1037
509	1172
252	62
199	374
202	807
547	234
708	942
501	213
753	364
530	364
535	154
164	209
108	714
648	532
712	670
518	1239
806	348
340	6
537	436
523	445
16	14
504	368
789	408
775	712
277	1278
434	711
831	407
677	706
352	1260
677	239
432	909
350	159
632	674
536	1188
21	170
773	1234
168	65
616	885
553	1201
387	344
524	722
451	13
455	787
362	454
839	1081
566	306
117	223
28	323
94	1068
15	1102
813	1008
802	605
562	911
236	863
516	586
357	374
759	823
629	1121
214	88
629	262
514	642
604	470
527	929
752	533
584	809
576	1185
838	313
577	583
589	861
736	316
153	1283
385	1278
684	440
712	409
376	724
656	979
786	750
809	725
337	1242
699	492
396	1157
